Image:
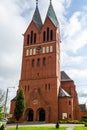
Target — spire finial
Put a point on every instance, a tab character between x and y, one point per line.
36	3
50	1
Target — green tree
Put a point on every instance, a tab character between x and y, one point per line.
19	107
2	98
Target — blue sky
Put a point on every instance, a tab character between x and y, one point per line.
15	16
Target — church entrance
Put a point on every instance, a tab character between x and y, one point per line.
41	115
30	115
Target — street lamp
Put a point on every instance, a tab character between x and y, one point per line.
6	100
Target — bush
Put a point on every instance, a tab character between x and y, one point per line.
2	127
57	125
85	124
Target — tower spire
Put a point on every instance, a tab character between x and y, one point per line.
51	14
36	17
36	3
50	1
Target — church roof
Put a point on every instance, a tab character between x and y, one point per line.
63	93
65	77
37	18
52	16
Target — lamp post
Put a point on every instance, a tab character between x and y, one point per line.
6	101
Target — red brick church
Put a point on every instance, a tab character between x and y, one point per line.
50	94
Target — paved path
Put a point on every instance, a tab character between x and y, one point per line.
70	128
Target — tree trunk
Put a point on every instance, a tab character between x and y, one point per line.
17	125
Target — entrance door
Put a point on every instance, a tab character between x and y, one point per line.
41	115
30	115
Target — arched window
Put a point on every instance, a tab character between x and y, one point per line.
44	36
38	62
44	61
31	37
34	38
51	35
48	86
48	34
28	39
33	62
28	87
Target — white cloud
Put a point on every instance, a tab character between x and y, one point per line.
75	32
70	60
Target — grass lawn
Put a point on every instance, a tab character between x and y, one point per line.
80	128
37	128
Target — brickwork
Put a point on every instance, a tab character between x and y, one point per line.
40	76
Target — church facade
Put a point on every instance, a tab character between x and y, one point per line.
50	95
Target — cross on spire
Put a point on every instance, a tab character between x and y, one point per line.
36	3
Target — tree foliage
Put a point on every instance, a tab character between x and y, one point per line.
2	100
20	106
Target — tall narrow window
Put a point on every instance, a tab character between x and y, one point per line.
44	36
44	61
31	37
51	35
47	34
33	62
28	39
34	38
38	62
48	86
28	87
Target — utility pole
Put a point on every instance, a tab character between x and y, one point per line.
5	111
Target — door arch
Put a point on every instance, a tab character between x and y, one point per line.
41	115
30	115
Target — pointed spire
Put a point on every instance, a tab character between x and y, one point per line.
51	14
36	17
36	3
50	1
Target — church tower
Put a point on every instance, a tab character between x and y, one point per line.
40	73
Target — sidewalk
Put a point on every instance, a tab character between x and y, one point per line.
70	128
